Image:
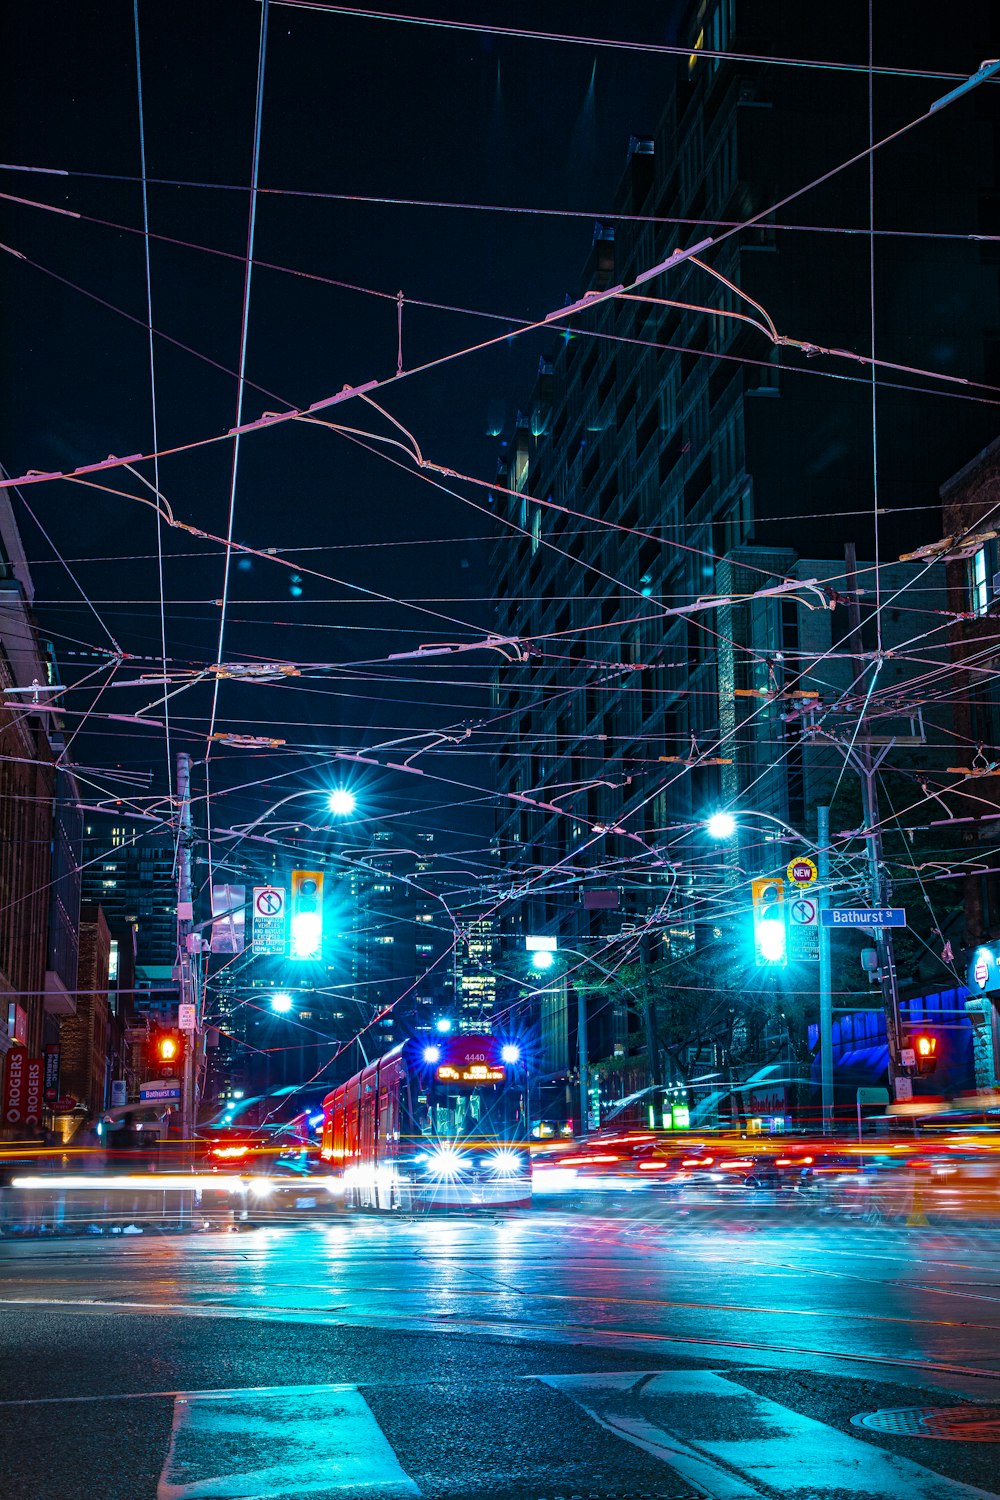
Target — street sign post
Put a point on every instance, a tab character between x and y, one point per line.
864	916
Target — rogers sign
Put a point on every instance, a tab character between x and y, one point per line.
22	1088
33	1090
14	1086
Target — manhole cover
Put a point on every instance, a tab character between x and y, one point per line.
962	1424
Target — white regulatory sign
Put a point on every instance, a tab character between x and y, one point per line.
268	901
803	912
269	934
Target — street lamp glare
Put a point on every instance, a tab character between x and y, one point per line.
281	1004
341	802
542	959
721	825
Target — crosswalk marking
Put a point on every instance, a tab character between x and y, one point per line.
701	1427
320	1441
795	1455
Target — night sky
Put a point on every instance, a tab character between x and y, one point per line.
353	107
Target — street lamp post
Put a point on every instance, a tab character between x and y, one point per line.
723	825
542	959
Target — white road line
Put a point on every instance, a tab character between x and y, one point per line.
793	1455
280	1441
692	1466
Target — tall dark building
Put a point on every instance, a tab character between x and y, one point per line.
129	872
724	455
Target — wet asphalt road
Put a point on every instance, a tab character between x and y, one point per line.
542	1354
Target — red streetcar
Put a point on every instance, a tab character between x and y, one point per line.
435	1123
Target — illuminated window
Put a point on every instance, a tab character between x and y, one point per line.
978	588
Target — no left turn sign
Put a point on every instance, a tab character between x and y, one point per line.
803	912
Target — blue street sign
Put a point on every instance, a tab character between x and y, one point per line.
167	1094
861	916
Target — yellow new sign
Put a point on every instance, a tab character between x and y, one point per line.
802	871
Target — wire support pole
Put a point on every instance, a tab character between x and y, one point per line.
867	765
651	1020
583	1057
152	397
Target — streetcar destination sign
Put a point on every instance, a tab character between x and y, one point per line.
470	1072
861	916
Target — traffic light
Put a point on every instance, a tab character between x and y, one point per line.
307	914
166	1052
770	937
926	1049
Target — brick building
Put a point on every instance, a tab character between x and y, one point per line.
27	783
85	1036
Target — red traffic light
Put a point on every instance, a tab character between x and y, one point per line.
926	1049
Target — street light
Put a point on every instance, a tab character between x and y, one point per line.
340	802
542	959
281	1004
721	825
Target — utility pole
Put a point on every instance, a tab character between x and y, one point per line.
582	1054
185	920
860	754
649	1008
825	991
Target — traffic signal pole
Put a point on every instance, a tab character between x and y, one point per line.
185	919
825	986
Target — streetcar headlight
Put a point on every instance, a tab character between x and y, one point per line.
503	1163
261	1187
432	1054
445	1164
510	1054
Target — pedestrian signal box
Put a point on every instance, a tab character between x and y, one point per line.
166	1051
925	1048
